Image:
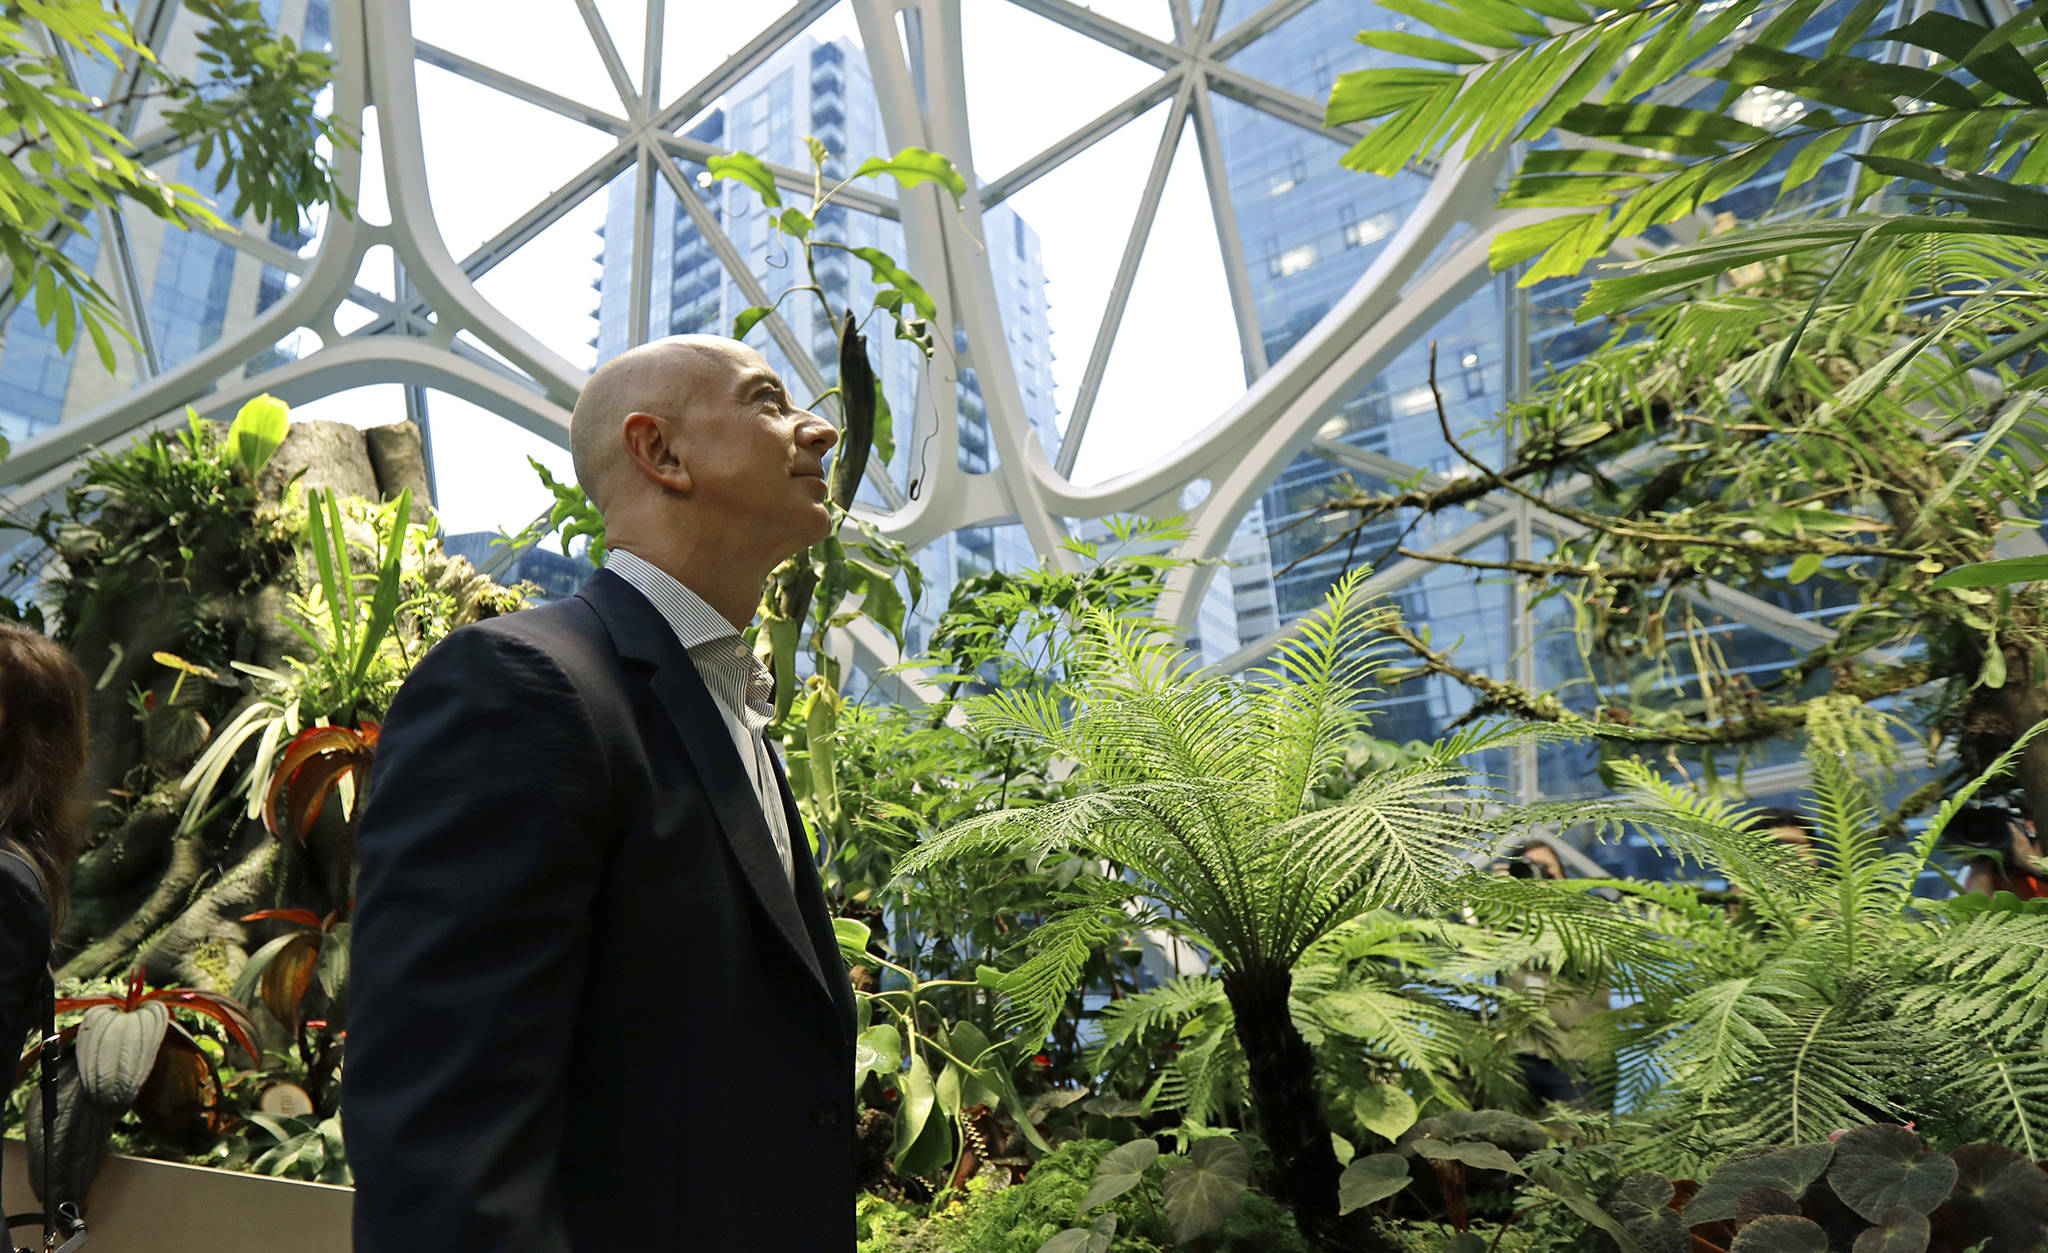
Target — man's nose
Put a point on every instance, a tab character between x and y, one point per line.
815	432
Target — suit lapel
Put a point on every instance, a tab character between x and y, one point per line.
642	634
810	894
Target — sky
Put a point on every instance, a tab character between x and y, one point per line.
1175	364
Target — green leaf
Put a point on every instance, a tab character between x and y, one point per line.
1898	1230
1371	1179
1456	23
1878	1168
1202	1194
923	1144
887	274
1781	1233
852	937
1661	127
1804	567
1811	157
745	167
1791	1170
878	1050
1972	46
1384	1109
1993	673
1408	44
1121	1170
748	318
794	222
2001	573
259	427
1471	1152
912	167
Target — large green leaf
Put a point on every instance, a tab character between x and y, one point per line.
259	427
1471	1152
2000	573
878	1050
745	167
912	167
924	1145
1370	1179
1881	1167
1791	1169
1121	1170
117	1050
1384	1109
1202	1194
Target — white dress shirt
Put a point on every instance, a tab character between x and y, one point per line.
740	685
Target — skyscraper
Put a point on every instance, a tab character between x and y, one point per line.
822	89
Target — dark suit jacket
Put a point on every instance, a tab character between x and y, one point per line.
587	1011
24	960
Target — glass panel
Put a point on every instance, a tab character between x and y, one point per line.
482	480
41	387
548	46
1081	213
545	285
1006	51
1309	226
1176	364
484	176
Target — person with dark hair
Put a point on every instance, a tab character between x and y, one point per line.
42	813
2005	856
1787	826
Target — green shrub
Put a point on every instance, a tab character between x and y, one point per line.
1023	1216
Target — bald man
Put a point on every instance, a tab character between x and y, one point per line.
596	1004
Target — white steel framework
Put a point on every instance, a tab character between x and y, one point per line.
1437	258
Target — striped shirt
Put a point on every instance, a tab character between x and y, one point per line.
739	683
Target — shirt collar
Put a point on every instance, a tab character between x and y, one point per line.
693	621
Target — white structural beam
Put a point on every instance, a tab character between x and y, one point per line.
1434	260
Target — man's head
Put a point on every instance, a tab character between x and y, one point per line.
693	443
1787	826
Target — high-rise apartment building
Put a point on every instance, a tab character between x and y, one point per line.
823	89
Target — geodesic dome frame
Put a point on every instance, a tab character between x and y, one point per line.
440	331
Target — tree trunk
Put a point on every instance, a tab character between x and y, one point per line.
1283	1081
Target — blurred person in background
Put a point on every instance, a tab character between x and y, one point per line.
2003	852
42	814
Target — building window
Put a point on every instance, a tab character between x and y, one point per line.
1293	261
1367	230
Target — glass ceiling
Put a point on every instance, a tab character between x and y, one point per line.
1164	294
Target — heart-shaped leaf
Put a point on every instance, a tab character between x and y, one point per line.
1370	1179
1900	1230
117	1050
1641	1203
1790	1170
1758	1202
1880	1167
1120	1171
1384	1109
1203	1194
1781	1233
1999	1196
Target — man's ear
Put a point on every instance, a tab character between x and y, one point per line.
653	446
